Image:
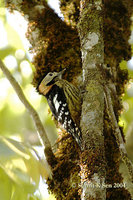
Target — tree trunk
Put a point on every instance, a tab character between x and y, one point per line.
101	149
93	164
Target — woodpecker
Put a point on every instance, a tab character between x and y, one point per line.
64	101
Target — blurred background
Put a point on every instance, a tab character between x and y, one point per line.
23	167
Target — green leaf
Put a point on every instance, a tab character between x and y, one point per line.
5	186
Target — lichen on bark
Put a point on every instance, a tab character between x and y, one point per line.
94	60
93	159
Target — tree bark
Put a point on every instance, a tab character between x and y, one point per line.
93	170
95	50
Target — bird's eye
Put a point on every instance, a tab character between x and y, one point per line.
50	74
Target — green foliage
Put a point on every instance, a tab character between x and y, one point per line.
20	171
17	177
127	114
14	120
20	166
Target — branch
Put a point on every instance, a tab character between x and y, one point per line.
38	124
117	133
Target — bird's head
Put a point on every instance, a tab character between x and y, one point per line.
48	81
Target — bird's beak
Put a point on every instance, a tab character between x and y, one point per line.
61	73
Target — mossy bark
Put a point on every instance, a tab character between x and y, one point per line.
102	50
93	170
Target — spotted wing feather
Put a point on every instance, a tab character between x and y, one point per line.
58	105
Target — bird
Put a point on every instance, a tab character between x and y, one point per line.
64	100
